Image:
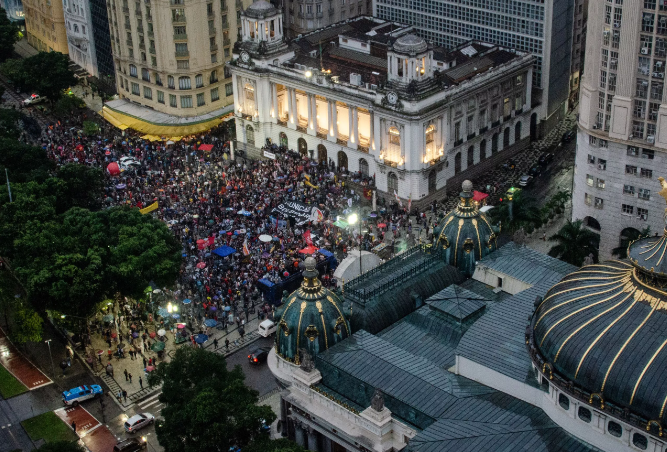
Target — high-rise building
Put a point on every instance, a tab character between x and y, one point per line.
303	16
622	135
579	28
170	58
45	25
14	9
541	27
87	26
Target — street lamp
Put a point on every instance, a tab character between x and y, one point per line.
53	369
352	220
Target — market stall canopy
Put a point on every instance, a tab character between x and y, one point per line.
479	196
224	251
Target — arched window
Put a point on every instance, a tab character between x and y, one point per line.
342	161
394	151
184	83
249	96
429	140
482	150
494	143
133	70
457	163
214	76
517	132
170	81
506	138
321	153
363	167
471	156
303	147
392	183
250	134
76	28
199	80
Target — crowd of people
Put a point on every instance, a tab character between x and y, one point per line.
208	200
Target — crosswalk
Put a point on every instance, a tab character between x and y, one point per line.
151	404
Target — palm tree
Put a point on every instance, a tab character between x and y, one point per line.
629	236
524	213
574	243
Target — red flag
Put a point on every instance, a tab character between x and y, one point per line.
211	239
307	238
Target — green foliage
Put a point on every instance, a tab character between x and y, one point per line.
9	123
27	325
277	445
90	128
67	105
13	70
523	213
574	243
49	427
24	162
629	236
61	446
77	186
9	35
207	407
9	385
29	74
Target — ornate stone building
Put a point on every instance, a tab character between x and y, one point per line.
371	96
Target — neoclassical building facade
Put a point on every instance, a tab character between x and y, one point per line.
371	96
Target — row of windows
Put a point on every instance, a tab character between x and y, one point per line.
642	193
186	100
184	82
629	169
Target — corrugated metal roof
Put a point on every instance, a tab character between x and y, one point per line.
362	58
457	302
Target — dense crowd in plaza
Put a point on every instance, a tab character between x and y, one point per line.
209	201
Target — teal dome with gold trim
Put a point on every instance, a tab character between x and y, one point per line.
311	318
465	234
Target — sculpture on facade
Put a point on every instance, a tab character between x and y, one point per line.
377	402
306	363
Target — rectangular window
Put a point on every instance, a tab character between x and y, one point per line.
214	95
588	199
186	101
602	164
507	107
591	159
133	70
214	58
182	64
199	80
181	47
648	154
229	89
178	15
200	99
633	151
600	183
482	118
642	213
647	173
160	97
471	125
629	169
628	190
184	83
643	193
135	89
170	81
627	209
457	131
145	75
599	203
590	180
148	93
172	101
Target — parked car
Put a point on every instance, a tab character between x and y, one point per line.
525	180
536	170
267	328
509	164
33	99
546	158
129	163
130	445
138	421
568	136
259	356
76	395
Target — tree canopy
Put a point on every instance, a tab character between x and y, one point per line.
9	35
207	407
24	162
29	74
574	243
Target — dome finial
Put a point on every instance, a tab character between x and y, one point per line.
310	263
466	186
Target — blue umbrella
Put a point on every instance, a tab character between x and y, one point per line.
227	308
201	338
187	301
210	323
176	316
162	312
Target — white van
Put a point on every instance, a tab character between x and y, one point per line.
267	328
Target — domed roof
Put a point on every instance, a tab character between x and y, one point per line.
465	234
260	9
604	328
312	318
410	44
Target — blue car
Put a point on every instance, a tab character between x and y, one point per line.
81	393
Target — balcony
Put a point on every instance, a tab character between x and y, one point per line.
458	142
225	25
210	14
178	19
214	47
152	50
310	15
126	9
142	46
319	15
181	37
138	12
149	18
470	136
226	42
182	53
331	12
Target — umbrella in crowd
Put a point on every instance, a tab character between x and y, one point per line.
135	335
187	301
180	326
308	250
176	316
212	308
108	318
201	338
121	186
265	238
210	323
161	332
152	334
162	312
201	265
157	346
150	368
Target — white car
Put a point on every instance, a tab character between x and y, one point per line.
138	421
33	99
129	163
267	328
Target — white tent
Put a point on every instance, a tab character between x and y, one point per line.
351	267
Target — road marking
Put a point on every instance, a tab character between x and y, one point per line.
143	407
150	398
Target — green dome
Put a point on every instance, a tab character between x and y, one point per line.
465	235
311	318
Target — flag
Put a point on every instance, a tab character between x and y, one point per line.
211	240
246	250
368	193
317	215
398	200
149	209
409	202
307	238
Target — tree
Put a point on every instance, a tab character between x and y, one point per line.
575	243
9	120
24	162
276	445
630	236
90	128
13	70
207	407
9	35
524	213
77	186
27	325
60	77
61	446
67	105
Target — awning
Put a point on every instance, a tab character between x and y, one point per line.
151	138
479	196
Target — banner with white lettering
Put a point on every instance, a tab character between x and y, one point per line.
299	211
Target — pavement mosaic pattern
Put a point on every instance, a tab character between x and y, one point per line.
95	436
19	366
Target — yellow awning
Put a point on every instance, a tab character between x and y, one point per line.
123	121
151	138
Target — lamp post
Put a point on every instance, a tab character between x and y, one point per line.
352	220
53	369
